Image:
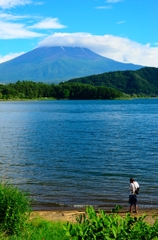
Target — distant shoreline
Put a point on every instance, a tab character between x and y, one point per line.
54	99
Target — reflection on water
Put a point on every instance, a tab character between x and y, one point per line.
80	152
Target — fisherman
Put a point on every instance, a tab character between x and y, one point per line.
134	188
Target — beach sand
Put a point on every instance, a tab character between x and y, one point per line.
70	215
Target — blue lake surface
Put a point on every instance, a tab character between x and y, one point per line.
77	153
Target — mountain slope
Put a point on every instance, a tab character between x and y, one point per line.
56	64
142	81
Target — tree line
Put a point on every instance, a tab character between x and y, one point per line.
142	81
72	91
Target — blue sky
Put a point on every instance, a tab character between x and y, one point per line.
124	30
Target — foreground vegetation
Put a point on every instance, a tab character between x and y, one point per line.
14	209
15	223
39	229
104	226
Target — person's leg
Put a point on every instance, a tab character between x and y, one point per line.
130	209
135	204
131	203
136	208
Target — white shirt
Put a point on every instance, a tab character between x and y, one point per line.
133	186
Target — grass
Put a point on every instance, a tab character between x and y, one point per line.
39	229
14	209
15	223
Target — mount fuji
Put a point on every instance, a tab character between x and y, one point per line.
58	64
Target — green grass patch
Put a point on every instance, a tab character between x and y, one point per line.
39	229
14	209
14	218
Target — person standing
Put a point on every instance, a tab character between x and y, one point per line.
133	196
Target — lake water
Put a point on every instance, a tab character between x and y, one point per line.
77	153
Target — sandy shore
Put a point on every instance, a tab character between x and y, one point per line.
70	215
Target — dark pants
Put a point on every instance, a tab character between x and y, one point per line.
132	200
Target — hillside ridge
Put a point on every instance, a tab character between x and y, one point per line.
141	81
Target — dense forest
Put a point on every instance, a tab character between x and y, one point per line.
111	85
32	90
142	81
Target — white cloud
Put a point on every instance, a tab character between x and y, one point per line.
48	23
108	6
9	56
10	30
12	3
117	48
12	27
11	17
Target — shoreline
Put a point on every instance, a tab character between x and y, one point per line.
70	215
66	99
82	207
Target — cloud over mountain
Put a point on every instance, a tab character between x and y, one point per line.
117	48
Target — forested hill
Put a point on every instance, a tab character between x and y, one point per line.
72	91
142	81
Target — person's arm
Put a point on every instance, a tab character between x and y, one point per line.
131	188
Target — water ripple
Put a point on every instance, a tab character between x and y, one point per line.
75	153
